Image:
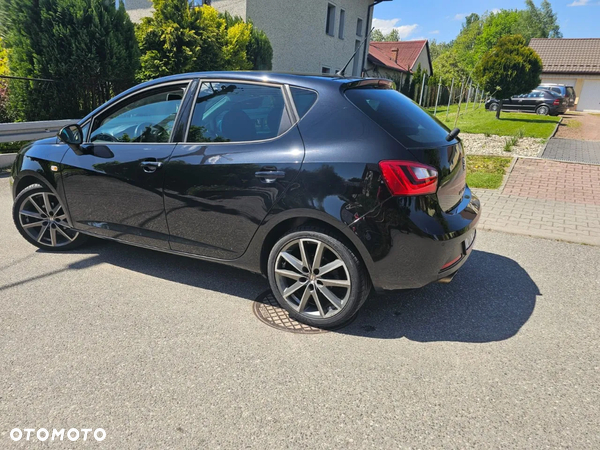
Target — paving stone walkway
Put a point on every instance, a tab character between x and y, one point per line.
573	150
546	199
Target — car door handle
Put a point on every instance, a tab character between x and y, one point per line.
151	165
269	176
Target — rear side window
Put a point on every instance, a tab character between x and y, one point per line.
399	116
304	100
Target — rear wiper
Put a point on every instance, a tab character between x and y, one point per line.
452	134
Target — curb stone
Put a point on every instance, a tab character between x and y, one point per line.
551	136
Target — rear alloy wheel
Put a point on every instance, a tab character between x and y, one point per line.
494	107
542	110
42	220
317	278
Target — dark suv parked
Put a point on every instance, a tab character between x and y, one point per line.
538	101
565	91
326	185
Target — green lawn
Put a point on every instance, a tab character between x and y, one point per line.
485	122
486	172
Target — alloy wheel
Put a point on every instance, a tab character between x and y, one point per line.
43	218
312	278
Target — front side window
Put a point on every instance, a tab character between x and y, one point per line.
238	112
147	117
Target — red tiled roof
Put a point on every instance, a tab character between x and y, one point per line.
568	55
408	52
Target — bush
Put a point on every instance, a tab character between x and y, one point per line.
12	147
87	46
180	37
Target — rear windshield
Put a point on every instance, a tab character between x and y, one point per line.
399	116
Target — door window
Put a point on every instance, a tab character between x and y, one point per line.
238	112
147	117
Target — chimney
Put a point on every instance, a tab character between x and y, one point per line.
395	52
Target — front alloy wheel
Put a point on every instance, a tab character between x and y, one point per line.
317	278
42	220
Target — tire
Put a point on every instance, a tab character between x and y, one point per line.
494	107
50	232
295	280
542	110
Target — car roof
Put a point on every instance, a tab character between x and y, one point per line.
302	80
318	82
556	85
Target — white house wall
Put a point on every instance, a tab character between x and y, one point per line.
233	7
296	30
423	60
138	9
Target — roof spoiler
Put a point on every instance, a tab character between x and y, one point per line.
374	82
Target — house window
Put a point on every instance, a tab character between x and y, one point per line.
359	27
330	26
355	64
342	22
325	70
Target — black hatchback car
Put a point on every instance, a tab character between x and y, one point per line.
544	102
328	186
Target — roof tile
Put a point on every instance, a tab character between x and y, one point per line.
408	53
568	55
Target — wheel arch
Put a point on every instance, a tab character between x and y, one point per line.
341	231
27	178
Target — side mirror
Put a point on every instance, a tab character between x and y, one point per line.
71	135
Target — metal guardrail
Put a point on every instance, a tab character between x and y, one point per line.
30	131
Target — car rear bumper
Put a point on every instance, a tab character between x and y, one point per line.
425	246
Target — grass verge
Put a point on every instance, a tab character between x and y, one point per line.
486	172
480	121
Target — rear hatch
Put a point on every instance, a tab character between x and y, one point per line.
421	134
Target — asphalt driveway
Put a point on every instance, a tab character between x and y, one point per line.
165	352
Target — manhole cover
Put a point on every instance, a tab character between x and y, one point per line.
268	311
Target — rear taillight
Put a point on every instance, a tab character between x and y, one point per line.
556	102
409	178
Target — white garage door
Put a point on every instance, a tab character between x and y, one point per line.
589	100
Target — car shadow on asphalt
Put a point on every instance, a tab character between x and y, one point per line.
489	300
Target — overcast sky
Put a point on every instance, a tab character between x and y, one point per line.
441	20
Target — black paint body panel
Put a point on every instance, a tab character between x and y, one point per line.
206	201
